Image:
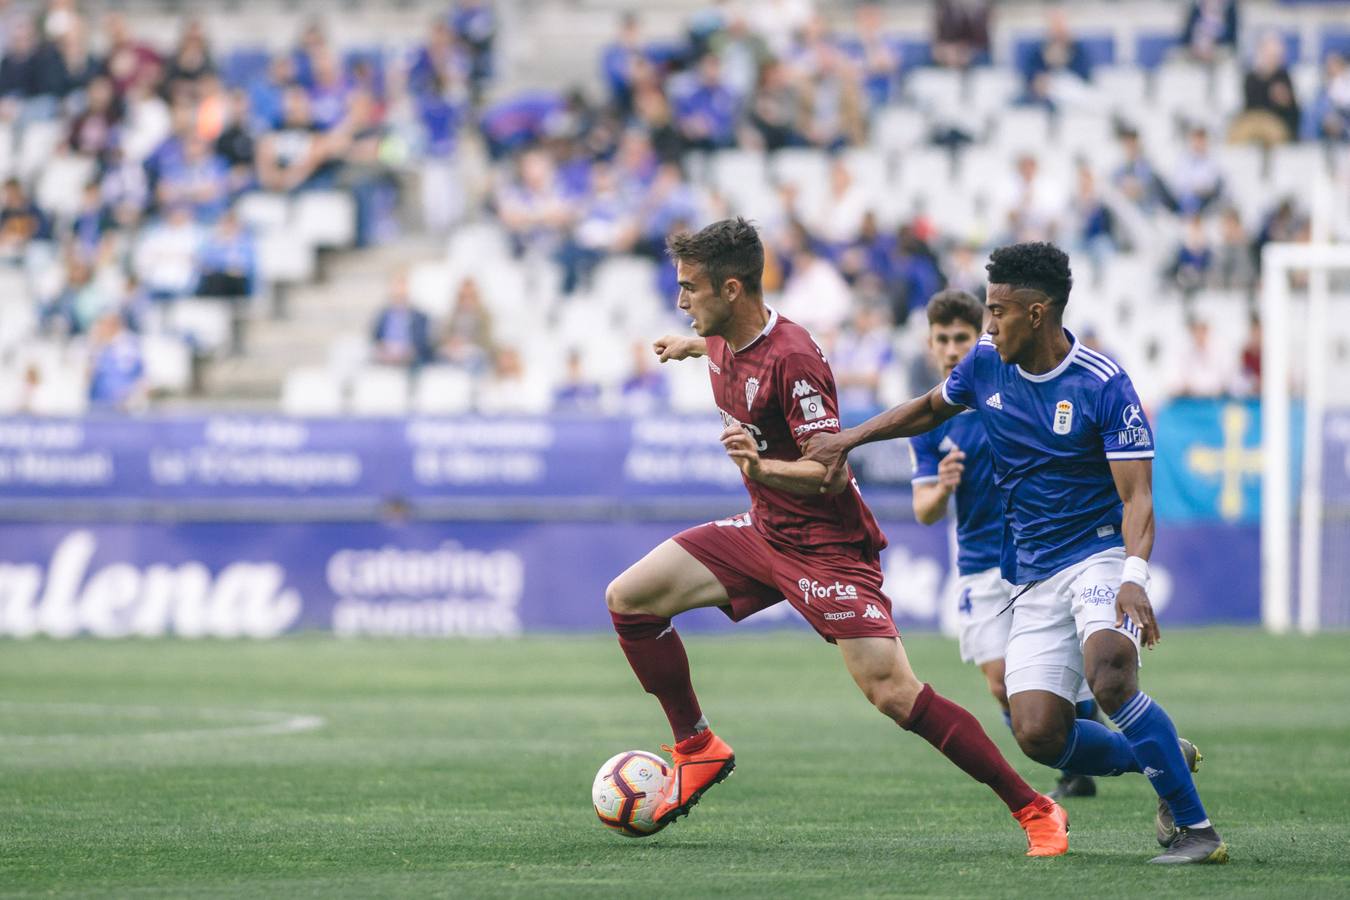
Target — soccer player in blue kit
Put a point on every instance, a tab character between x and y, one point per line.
954	461
1073	454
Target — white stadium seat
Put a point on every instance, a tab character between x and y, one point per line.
380	391
206	321
442	391
311	392
168	363
325	218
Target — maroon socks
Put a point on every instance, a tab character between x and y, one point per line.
656	653
960	738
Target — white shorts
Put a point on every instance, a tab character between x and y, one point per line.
1055	617
983	617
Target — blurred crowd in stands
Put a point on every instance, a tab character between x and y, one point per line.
155	145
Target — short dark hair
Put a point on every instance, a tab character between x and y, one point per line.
951	305
727	249
1039	266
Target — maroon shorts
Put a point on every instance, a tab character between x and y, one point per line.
837	589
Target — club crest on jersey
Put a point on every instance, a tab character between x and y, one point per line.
751	389
1063	417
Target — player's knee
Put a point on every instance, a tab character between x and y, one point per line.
998	689
893	697
620	599
1113	679
1041	739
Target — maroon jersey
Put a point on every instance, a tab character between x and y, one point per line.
781	390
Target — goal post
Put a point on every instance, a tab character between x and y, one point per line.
1293	583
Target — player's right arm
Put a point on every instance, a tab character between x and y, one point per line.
676	346
906	420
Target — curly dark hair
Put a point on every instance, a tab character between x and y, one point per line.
1039	266
726	249
952	305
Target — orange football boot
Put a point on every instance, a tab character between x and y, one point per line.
697	763
1047	827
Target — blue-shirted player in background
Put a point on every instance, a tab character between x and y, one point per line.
1073	462
954	460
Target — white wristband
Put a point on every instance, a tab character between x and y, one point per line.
1136	571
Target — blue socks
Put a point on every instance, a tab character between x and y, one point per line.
1094	749
1086	709
1153	739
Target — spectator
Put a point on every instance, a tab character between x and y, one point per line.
861	355
32	75
837	218
1198	180
117	371
815	295
914	273
79	65
440	104
165	258
328	91
833	104
235	145
1037	201
1249	363
92	221
79	304
1199	368
645	390
965	270
146	123
1328	117
1056	68
191	60
653	114
124	189
129	62
93	132
475	24
1270	112
1234	267
880	63
1211	27
512	388
533	208
577	393
228	260
21	222
706	112
777	108
1136	178
466	334
400	335
741	53
620	61
961	33
200	180
296	155
1093	221
1194	257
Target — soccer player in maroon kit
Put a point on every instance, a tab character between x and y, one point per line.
818	550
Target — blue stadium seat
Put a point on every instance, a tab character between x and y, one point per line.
245	65
913	51
1334	41
1150	49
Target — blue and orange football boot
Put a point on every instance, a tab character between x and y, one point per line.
697	763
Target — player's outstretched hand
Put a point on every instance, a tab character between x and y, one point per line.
831	451
675	346
742	450
951	468
1133	602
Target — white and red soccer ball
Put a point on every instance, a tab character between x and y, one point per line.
626	790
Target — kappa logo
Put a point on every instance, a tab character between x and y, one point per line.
871	612
802	389
717	370
751	389
995	401
839	616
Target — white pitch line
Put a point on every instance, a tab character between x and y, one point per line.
266	722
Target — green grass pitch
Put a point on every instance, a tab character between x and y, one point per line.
463	769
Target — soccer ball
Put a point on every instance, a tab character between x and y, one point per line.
626	790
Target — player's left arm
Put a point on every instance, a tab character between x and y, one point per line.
798	476
1134	483
1127	440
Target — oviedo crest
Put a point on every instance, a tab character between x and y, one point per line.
751	389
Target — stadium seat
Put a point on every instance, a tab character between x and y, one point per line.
923	172
380	391
431	285
936	91
1182	88
63	391
206	322
325	218
37	147
263	212
1123	87
442	391
1295	168
60	186
1087	134
896	129
347	354
168	363
478	242
284	257
992	89
311	392
1022	129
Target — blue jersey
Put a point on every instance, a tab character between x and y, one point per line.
1051	436
979	517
